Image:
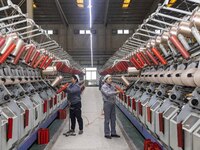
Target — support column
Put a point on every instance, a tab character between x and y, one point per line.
29	8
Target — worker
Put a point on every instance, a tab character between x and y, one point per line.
74	97
100	82
109	94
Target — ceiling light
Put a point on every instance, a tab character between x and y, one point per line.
125	5
34	5
127	1
79	1
80	5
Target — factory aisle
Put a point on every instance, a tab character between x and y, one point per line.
93	136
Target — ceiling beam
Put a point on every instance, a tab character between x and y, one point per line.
62	15
106	12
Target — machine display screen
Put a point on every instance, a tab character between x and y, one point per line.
155	105
169	112
190	122
8	112
146	100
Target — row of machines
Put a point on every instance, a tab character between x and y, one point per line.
171	113
27	97
26	101
164	95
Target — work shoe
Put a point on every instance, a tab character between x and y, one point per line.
80	132
108	137
70	131
115	135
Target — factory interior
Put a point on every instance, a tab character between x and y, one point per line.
100	74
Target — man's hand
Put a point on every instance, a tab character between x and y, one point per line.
118	91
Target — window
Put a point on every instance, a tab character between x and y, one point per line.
126	31
91	73
88	32
76	31
82	32
119	31
50	32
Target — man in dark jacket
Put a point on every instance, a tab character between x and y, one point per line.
74	97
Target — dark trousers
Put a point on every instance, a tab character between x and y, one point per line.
75	113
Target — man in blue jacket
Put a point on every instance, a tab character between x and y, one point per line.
109	97
74	97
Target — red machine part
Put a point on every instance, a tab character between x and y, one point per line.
161	123
135	63
119	89
48	63
145	58
38	61
37	54
10	128
51	103
140	108
55	100
26	118
44	61
7	53
180	135
133	104
142	62
151	57
29	53
19	54
45	106
148	114
179	47
43	136
62	114
129	101
63	88
159	56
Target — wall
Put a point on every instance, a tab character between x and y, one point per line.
104	42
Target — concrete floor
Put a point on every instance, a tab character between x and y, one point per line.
93	136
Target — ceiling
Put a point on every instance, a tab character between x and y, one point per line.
103	11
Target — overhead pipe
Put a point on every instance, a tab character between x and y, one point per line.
177	10
12	24
156	27
19	29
